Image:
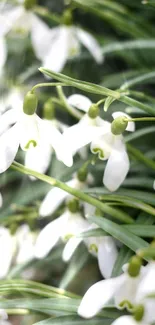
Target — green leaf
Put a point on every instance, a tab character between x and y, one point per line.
31	287
74	320
138	80
108	102
124	255
126	237
77	262
83	85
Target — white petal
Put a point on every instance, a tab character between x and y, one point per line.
38	158
147	284
7	119
12	17
3	53
53	199
79	101
51	135
91	44
49	236
73	41
116	169
1	200
107	255
4	25
57	55
97	296
103	145
25	243
149	311
131	125
6	251
76	224
79	135
20	19
9	144
127	290
125	320
41	36
29	131
70	248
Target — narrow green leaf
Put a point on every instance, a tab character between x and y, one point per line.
86	86
126	237
138	80
124	255
74	320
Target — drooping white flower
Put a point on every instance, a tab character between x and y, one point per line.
65	43
127	320
27	132
20	19
7	247
25	241
64	227
122	289
107	145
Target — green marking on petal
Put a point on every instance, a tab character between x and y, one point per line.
30	144
68	236
98	151
126	304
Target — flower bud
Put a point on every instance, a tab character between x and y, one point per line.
29	4
30	103
93	111
73	205
119	125
138	313
134	266
67	17
82	174
49	110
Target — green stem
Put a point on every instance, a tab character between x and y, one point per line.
134	103
47	84
74	112
117	214
139	119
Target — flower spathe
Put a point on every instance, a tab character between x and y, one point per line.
107	145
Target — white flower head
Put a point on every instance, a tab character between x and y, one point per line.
64	227
65	43
122	289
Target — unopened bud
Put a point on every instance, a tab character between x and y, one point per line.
82	174
73	205
29	4
134	266
119	125
93	111
67	17
49	110
138	313
30	103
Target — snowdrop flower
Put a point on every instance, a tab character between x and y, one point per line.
27	131
122	289
107	145
21	18
4	318
25	241
65	43
64	227
7	248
